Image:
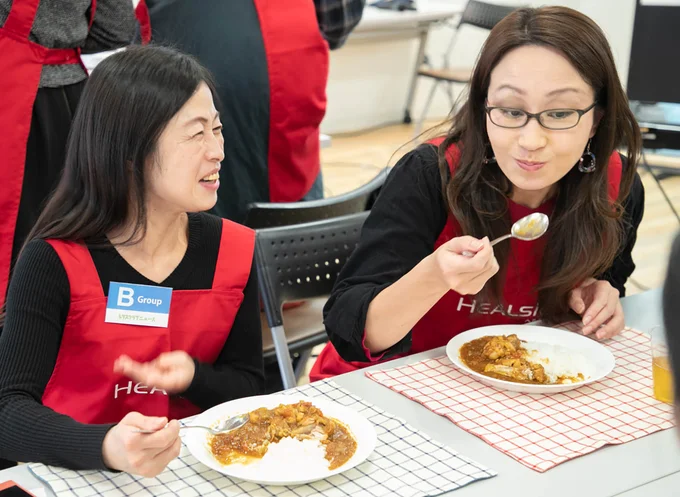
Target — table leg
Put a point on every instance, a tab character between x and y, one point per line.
414	79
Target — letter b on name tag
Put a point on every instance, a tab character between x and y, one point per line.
142	305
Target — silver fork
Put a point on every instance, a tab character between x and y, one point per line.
225	426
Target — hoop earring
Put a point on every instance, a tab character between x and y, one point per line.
587	163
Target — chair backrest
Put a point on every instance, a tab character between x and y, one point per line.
267	215
479	14
484	15
302	261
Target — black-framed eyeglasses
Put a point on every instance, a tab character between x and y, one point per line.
555	119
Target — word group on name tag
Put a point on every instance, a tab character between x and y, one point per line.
142	305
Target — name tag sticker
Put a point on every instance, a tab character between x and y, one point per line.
142	305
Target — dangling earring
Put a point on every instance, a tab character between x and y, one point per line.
587	163
492	159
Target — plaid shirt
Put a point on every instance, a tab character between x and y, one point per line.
337	19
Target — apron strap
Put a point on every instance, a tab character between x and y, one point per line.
61	56
80	270
144	19
614	173
93	10
21	17
235	258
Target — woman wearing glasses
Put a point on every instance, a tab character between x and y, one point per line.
539	132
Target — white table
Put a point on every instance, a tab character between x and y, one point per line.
649	466
633	469
389	24
375	22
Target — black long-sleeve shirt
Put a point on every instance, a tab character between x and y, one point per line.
37	305
404	224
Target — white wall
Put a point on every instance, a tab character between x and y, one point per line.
369	80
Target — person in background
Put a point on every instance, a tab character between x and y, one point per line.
80	369
42	79
538	133
671	317
270	61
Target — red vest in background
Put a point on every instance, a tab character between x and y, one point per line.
83	384
21	63
455	313
297	62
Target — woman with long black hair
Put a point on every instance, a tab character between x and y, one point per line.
129	306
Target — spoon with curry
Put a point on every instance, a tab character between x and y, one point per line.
527	228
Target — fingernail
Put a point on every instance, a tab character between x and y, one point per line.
477	245
586	320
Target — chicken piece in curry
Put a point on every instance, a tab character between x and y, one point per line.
267	426
503	358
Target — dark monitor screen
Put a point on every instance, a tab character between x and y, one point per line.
654	71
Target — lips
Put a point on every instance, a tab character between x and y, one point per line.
530	165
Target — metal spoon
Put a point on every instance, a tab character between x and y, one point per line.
527	228
225	426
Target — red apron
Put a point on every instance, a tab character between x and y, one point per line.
297	62
21	63
83	384
455	313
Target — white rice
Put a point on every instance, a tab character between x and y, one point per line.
289	459
557	360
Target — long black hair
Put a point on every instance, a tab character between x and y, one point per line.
125	106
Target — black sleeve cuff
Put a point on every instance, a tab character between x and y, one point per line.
348	338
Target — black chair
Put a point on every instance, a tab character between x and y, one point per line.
479	14
301	262
267	215
303	320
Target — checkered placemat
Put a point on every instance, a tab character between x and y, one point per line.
405	463
542	431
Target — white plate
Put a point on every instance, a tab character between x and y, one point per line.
289	462
599	359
